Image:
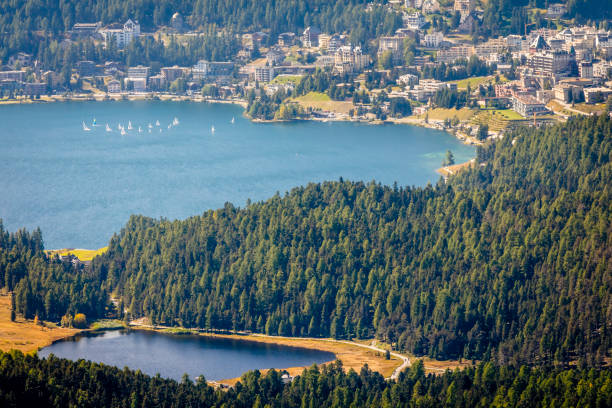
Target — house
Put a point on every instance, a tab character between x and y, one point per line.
596	95
21	58
408	80
527	106
157	82
138	71
17	76
430	6
286	39
136	84
556	10
84	30
35	88
464	7
455	53
86	68
275	56
121	36
310	37
413	20
113	86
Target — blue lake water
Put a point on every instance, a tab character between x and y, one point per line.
81	186
173	355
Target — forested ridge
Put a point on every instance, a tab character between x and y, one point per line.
508	261
30	381
45	286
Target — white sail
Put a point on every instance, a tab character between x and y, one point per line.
175	121
233	120
123	133
139	129
150	126
212	129
157	123
119	126
130	125
169	126
108	129
85	128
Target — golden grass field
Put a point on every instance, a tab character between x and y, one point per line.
317	100
82	254
352	356
24	335
462	114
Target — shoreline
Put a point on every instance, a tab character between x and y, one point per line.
410	120
353	355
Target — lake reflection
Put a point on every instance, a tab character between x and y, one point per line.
173	355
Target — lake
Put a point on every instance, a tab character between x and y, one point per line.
81	186
173	355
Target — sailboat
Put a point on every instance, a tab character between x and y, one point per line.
123	132
119	127
150	126
157	123
233	120
94	123
108	129
85	128
139	129
212	129
175	121
130	125
169	126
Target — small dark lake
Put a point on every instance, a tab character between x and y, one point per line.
173	355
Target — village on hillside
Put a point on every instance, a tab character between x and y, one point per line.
433	70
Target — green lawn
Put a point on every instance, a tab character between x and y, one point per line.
474	81
314	97
508	114
283	79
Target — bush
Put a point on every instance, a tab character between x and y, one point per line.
80	321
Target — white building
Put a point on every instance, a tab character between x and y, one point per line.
433	40
348	59
121	36
264	74
556	10
527	106
114	86
413	20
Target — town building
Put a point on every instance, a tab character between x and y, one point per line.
113	86
177	22
464	7
348	60
455	53
596	95
20	59
157	82
171	74
555	62
430	6
264	74
527	106
310	37
286	39
84	30
432	40
556	10
138	71
18	76
414	20
275	56
212	70
585	69
86	68
35	88
121	36
394	44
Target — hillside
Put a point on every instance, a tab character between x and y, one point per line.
509	261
